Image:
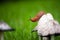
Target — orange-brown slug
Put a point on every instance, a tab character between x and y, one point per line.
38	16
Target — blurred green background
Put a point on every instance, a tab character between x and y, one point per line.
17	15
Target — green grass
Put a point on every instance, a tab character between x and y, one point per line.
17	15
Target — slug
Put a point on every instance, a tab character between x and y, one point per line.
38	16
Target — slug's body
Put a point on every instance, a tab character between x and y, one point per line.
37	17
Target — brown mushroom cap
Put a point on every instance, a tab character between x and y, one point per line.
38	16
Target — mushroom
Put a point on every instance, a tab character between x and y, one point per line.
4	27
46	26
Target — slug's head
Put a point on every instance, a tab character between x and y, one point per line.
38	16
